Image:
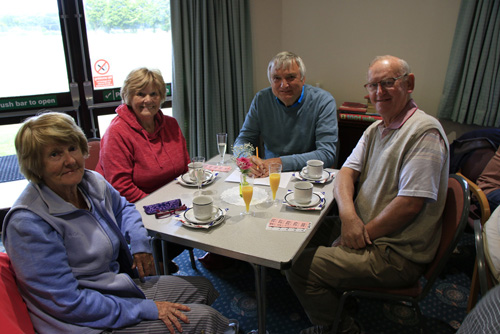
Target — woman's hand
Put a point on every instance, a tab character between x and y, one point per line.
144	263
170	314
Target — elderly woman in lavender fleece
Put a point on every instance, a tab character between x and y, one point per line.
80	252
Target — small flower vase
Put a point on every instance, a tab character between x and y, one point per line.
243	182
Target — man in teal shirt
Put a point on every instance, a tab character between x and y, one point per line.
296	122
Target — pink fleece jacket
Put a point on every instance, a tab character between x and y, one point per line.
137	163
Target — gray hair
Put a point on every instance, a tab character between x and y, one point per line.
285	59
404	68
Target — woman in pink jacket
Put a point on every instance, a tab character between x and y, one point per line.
142	149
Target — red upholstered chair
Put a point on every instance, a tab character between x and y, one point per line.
454	220
14	317
93	158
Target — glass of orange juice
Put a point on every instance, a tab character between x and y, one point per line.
246	183
274	179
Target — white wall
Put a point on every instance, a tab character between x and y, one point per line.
338	38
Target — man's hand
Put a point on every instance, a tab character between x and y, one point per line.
260	167
170	314
144	263
354	234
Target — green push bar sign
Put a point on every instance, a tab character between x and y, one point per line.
28	102
110	95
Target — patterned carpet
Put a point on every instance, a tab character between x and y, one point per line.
444	308
9	169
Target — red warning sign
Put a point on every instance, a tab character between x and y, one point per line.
104	81
101	66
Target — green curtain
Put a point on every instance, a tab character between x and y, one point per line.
212	75
471	93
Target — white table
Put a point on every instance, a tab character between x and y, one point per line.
240	237
10	191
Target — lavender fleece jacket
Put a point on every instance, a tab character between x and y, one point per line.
66	260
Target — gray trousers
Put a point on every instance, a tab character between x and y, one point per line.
194	291
321	272
485	316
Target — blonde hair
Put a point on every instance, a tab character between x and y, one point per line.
140	78
41	130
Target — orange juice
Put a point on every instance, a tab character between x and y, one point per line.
247	192
274	181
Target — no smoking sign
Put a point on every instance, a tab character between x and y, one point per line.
101	66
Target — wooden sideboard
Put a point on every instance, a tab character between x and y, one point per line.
349	134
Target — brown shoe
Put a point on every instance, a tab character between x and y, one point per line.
214	261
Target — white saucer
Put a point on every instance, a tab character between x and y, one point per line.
189	216
186	180
205	226
315	200
324	176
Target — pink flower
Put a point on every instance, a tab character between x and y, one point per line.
243	164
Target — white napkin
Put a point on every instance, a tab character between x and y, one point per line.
232	196
284	179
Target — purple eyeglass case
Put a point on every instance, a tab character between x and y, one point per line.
163	206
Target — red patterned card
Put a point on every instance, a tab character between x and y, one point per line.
217	168
280	224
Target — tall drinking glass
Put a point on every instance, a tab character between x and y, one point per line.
221	146
246	183
199	172
274	179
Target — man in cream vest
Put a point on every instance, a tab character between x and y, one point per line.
390	194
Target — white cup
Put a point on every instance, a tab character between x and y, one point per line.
203	207
303	192
314	169
192	167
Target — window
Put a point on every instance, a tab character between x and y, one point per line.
30	35
73	56
123	35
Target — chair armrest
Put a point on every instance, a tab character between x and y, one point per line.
484	206
482	268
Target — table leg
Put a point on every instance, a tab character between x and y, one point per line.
260	292
154	246
159	243
165	257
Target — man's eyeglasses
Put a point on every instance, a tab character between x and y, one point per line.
386	83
